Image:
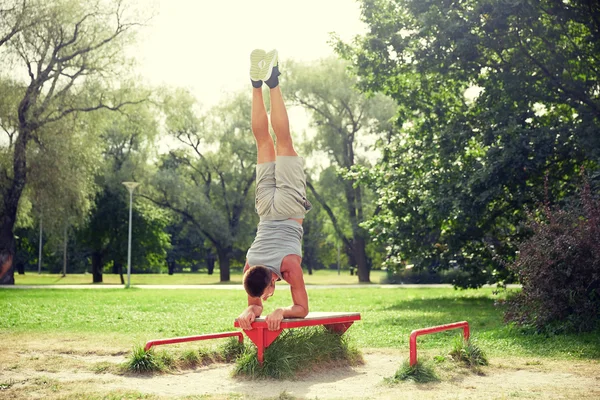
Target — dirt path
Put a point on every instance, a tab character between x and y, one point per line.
40	372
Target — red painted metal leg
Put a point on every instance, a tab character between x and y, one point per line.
262	338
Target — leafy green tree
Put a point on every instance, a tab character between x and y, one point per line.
343	120
208	180
128	140
491	95
69	52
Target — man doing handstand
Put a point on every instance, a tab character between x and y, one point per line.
281	203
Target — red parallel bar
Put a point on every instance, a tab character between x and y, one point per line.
159	342
434	329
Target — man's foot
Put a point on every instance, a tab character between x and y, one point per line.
257	67
272	69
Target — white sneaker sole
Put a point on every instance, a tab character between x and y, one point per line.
270	61
256	70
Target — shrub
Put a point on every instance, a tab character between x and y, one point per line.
559	268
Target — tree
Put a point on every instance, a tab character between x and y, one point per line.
128	144
13	18
492	95
70	51
207	182
343	119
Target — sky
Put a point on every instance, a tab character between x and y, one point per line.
205	45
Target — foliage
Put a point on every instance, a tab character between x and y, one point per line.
421	372
468	352
559	268
345	124
491	95
299	350
207	180
107	232
61	59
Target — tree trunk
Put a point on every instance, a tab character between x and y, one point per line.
224	254
9	211
358	251
118	269
97	267
360	256
66	242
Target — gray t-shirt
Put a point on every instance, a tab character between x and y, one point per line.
275	240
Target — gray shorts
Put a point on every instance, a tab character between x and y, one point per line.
281	189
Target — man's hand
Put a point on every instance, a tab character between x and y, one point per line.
274	319
246	319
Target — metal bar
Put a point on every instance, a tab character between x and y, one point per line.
159	342
434	329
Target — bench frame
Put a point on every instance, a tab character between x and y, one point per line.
262	337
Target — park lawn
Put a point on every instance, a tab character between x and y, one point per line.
319	277
117	319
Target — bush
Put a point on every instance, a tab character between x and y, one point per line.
559	268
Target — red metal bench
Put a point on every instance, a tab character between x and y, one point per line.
262	337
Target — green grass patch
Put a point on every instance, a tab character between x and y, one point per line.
468	352
421	372
164	360
299	350
130	317
142	361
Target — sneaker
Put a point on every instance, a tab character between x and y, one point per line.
270	61
257	65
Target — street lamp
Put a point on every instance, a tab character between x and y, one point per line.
131	187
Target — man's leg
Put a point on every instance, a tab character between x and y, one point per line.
260	128
281	124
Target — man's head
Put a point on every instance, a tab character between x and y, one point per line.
259	281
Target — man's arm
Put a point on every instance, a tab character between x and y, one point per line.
292	273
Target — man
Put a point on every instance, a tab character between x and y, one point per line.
281	203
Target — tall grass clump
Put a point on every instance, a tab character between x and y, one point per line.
142	361
296	351
421	372
468	352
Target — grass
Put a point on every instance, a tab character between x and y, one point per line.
421	372
141	361
114	320
320	277
298	351
468	352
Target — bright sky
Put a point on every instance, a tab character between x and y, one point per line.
205	45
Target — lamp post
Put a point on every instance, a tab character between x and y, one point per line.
131	187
